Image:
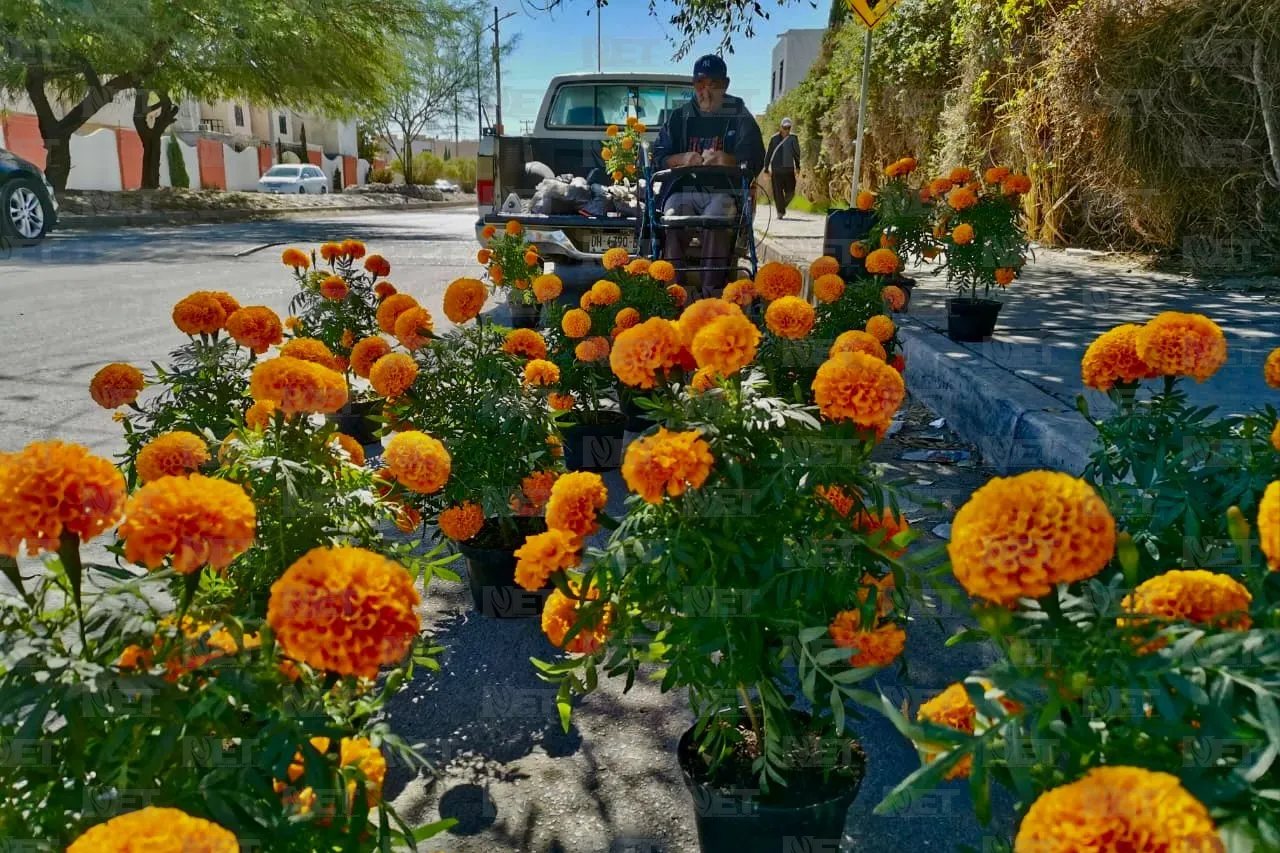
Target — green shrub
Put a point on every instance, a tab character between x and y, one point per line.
177	165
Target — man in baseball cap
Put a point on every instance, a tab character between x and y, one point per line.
713	129
782	161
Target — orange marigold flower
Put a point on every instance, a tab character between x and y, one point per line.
562	612
828	288
888	240
901	168
418	461
881	328
877	647
348	339
353	448
615	258
895	296
531	258
159	830
775	280
1268	524
960	175
408	519
963	234
1118	808
170	455
704	379
605	292
330	252
391	308
790	317
882	529
116	385
414	328
199	314
526	343
640	352
393	374
259	415
592	349
576	323
1113	357
365	354
663	271
1018	537
309	349
464	298
513	228
882	262
996	174
226	300
954	709
334	288
488	232
865	201
1178	344
560	402
298	386
257	328
544	554
858	387
825	265
679	296
1192	595
1016	185
575	499
344	610
700	314
295	258
536	487
666	463
383	289
461	522
839	500
1271	369
292	323
626	318
377	265
726	344
50	488
540	372
858	249
962	198
547	288
353	249
856	341
484	256
194	521
940	186
1005	276
638	266
740	292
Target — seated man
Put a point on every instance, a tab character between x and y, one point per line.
713	129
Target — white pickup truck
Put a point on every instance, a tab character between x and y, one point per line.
566	139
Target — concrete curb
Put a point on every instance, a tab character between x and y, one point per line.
1017	426
90	221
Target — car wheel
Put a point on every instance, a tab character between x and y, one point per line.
24	212
302	190
324	190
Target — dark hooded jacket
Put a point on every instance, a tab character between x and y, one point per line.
731	129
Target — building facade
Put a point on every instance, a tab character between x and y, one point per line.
793	56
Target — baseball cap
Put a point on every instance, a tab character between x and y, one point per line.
786	122
710	66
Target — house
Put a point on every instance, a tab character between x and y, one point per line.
226	144
793	56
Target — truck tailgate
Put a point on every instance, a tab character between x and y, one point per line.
578	239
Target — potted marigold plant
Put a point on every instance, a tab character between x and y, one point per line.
904	215
979	225
469	400
338	304
752	566
621	150
858	305
512	263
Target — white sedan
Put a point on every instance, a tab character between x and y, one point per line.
293	179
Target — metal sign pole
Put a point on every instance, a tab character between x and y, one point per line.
862	117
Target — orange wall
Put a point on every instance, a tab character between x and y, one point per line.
348	170
213	171
264	158
22	137
315	157
129	150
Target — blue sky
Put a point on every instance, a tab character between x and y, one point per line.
633	40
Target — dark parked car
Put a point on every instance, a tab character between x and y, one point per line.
28	208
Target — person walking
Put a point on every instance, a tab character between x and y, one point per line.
781	162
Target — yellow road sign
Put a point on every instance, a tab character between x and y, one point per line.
871	12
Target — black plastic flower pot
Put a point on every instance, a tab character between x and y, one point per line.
524	316
595	444
357	419
737	819
972	320
491	574
638	419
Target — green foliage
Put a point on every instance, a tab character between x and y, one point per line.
337	179
381	176
328	320
178	177
999	242
508	267
462	172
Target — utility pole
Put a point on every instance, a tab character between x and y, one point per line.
497	73
598	28
455	120
479	96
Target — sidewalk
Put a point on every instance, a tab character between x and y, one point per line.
1014	397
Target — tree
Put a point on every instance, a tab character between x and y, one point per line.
302	143
177	165
441	66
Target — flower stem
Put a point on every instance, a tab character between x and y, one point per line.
751	713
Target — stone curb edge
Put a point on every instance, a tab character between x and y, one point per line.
1015	425
89	221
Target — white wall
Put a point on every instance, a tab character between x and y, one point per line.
1	134
327	165
241	168
189	157
362	171
347	138
95	162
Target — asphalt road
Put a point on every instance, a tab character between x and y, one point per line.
514	780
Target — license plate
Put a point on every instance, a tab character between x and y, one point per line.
599	242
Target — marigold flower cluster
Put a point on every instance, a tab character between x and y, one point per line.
700	314
954	709
854	386
1178	344
790	317
391	308
1192	595
547	288
349	446
775	280
463	299
1113	358
901	168
741	292
882	262
615	259
726	344
156	830
298	386
171	454
256	327
541	373
50	488
576	499
418	461
1269	524
312	350
192	521
879	646
828	288
640	353
462	521
561	613
116	385
393	374
525	343
544	554
667	463
881	328
200	313
576	323
663	271
365	354
414	328
825	265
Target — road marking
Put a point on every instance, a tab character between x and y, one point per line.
254	249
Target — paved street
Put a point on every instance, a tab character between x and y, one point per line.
514	780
